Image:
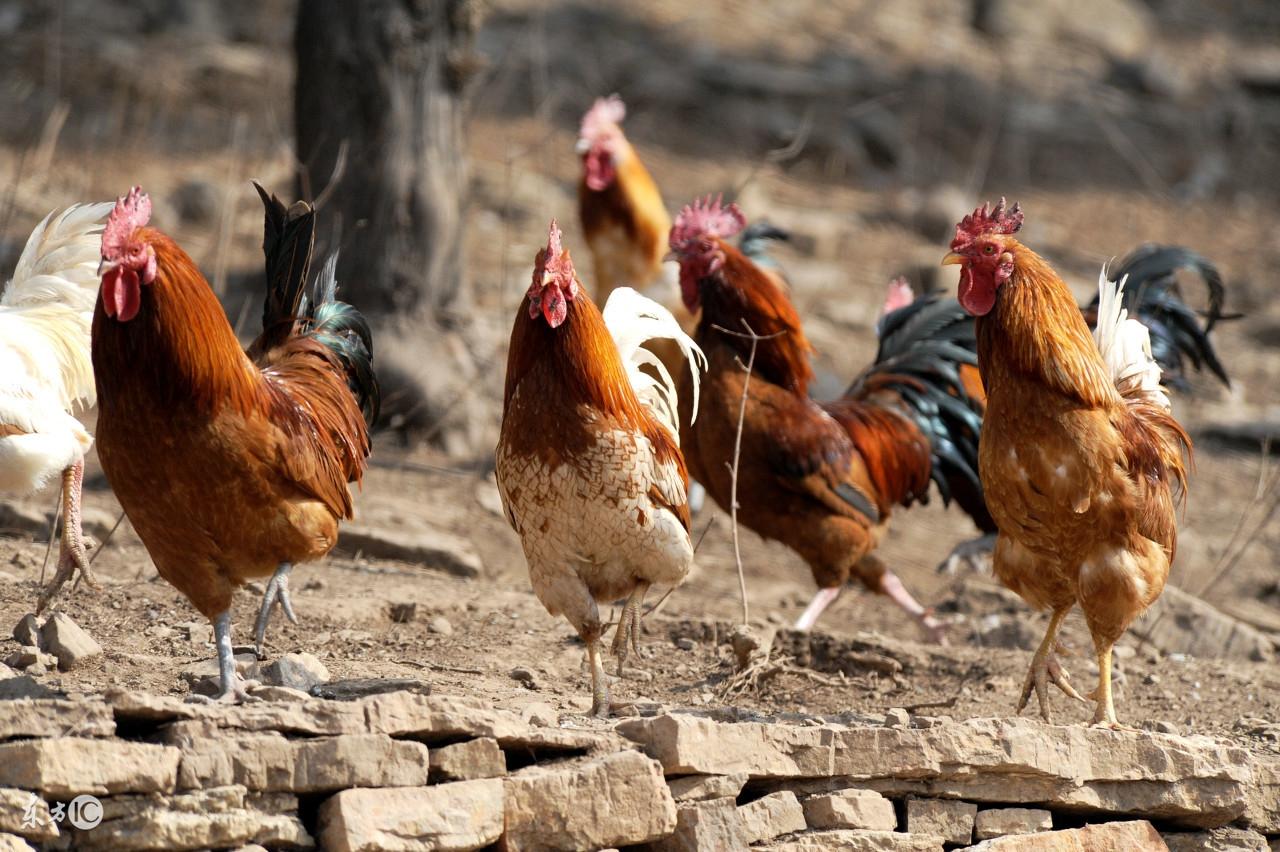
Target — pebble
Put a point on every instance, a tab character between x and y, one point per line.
440	625
896	717
684	643
27	631
525	677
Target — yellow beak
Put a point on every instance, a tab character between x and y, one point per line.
952	259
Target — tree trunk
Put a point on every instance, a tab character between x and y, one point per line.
384	79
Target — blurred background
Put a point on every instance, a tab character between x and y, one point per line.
439	137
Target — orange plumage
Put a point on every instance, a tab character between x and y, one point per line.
1080	458
228	468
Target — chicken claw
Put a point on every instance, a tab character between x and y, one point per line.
235	690
1043	671
599	685
626	637
277	591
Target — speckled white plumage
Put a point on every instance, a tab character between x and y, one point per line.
591	526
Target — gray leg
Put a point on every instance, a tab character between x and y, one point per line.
233	689
277	590
599	686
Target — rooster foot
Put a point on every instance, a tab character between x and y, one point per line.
973	555
1046	669
599	683
277	592
237	693
626	637
73	558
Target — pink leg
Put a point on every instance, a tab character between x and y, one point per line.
823	599
892	587
72	557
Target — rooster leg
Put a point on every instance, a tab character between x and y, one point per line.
823	599
626	637
234	690
1045	668
891	586
1105	713
277	590
72	557
974	554
599	686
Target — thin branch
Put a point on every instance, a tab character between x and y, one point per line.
103	544
737	453
48	548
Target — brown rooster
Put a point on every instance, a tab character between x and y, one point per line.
230	468
1080	456
823	478
588	462
623	217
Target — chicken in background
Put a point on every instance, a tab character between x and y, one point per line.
1080	456
230	467
588	462
46	372
623	218
1178	337
822	478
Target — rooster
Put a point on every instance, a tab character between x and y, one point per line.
1178	338
230	467
1081	458
588	462
45	371
623	217
823	478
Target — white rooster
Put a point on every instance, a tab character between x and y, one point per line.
45	314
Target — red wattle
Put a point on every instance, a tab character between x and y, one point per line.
978	298
121	294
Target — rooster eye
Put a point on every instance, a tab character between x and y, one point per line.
988	249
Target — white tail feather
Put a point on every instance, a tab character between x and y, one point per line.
633	319
1125	343
60	261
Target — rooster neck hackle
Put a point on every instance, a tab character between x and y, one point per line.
561	370
180	340
738	291
1036	331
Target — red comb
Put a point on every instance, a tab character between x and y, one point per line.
603	113
131	212
706	217
985	220
557	261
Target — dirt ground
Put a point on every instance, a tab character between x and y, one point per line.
859	225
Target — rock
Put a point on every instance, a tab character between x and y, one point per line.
1263	810
1103	837
218	818
468	761
278	693
713	824
463	815
541	714
13	843
23	686
403	613
440	626
271	763
203	677
23	519
45	717
196	632
31	658
14	805
1189	781
1218	840
865	809
997	822
432	548
353	688
619	799
896	717
855	841
296	671
697	788
950	820
27	630
1181	623
525	677
771	816
65	767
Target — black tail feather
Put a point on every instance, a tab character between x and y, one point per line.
755	238
288	243
923	347
1178	333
